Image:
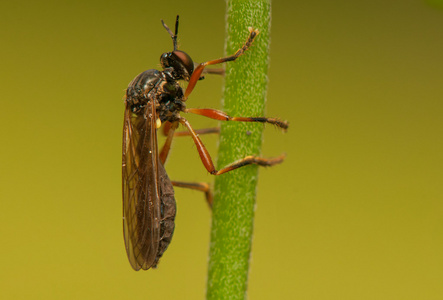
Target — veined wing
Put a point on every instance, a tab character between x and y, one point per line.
141	197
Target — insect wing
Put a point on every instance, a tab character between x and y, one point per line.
141	197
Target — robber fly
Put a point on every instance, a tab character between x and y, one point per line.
155	98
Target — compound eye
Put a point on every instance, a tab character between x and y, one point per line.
185	60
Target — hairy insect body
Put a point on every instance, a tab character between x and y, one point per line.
160	87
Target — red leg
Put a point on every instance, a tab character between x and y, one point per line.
169	130
199	69
167	145
209	165
166	128
199	186
222	116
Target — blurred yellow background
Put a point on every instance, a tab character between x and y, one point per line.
355	212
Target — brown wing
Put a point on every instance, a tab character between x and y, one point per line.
141	197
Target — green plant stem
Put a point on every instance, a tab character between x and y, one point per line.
234	192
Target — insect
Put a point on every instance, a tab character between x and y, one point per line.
154	99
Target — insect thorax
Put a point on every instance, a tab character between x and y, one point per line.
154	85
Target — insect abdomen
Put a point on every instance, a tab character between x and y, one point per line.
168	210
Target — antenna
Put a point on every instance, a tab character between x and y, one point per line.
173	36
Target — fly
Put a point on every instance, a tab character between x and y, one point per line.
154	99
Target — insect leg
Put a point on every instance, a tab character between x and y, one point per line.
250	160
199	186
167	145
199	131
169	130
199	69
209	165
222	116
167	126
218	71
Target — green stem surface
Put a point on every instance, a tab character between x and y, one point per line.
234	192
